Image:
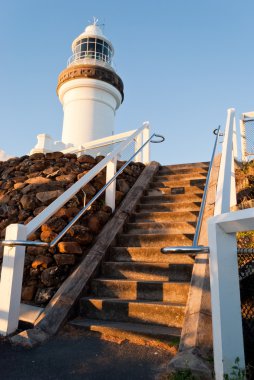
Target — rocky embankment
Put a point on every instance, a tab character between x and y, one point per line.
27	186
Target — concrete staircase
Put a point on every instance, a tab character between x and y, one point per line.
140	291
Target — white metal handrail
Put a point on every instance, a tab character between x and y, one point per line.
13	243
222	248
100	143
13	259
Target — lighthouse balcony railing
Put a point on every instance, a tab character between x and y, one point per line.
89	56
17	235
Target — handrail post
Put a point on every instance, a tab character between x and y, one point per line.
226	196
146	136
110	196
243	139
225	299
11	280
138	145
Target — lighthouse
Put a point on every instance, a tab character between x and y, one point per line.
89	89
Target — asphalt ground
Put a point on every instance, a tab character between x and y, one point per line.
82	355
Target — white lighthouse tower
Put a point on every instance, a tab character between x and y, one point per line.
89	89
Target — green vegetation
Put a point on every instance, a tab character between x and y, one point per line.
182	375
237	373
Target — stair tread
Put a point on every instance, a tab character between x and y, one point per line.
151	329
136	302
103	279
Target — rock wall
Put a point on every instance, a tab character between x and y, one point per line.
27	186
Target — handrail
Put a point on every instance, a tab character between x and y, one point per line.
99	143
34	224
13	243
195	247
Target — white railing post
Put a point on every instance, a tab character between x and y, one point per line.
138	144
11	280
110	197
243	139
146	136
226	196
225	298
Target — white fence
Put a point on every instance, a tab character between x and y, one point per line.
225	293
247	135
13	259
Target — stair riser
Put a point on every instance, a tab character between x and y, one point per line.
153	240
171	198
179	183
133	312
148	272
164	217
193	165
154	291
175	190
168	171
169	228
149	255
179	177
169	207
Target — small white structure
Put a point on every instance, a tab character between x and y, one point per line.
90	92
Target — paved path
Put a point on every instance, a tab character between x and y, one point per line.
81	356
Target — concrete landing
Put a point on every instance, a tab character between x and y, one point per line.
82	355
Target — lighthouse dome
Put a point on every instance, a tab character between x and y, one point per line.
92	47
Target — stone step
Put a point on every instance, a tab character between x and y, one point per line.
170	183
156	227
125	330
175	190
175	198
164	314
175	292
179	177
146	254
179	170
187	165
153	240
174	216
181	206
147	271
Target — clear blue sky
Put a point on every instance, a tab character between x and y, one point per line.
183	64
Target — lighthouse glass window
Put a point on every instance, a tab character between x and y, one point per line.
94	48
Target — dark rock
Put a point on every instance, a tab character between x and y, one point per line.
37	156
64	259
51	276
37	251
28	202
38	180
46	197
42	261
54	155
86	159
38	210
122	185
81	234
67	177
69	248
48	236
54	224
89	189
44	295
28	292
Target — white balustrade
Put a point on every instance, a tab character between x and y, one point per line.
224	278
13	260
